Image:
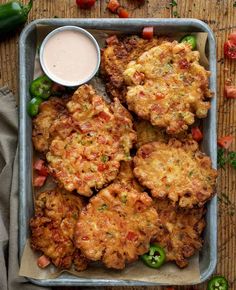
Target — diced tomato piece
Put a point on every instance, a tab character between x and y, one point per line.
85	127
40	167
131	236
170	288
230	92
112	40
148	32
39	180
122	12
225	141
232	37
85	4
39	163
184	64
113	5
197	134
102	167
230	49
43	261
104	116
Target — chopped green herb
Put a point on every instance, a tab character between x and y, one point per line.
173	3
104	158
123	197
74	215
176	14
191	173
224	157
103	207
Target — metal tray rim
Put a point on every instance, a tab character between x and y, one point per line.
91	22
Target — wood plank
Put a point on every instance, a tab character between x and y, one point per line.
221	16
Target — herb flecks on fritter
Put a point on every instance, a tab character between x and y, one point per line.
115	58
52	228
179	231
49	111
116	226
168	86
177	171
100	135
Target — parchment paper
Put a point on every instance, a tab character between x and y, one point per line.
169	274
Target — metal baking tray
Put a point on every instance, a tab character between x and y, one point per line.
27	48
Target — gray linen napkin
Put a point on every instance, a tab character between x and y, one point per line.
9	263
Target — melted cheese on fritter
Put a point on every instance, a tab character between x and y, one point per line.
182	174
168	86
99	137
116	226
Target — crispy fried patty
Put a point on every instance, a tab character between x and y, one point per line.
168	86
115	58
52	228
177	171
96	137
116	226
179	231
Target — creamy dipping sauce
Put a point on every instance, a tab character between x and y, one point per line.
70	57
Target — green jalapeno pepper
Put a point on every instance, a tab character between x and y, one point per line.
155	257
12	15
190	39
41	87
33	106
218	283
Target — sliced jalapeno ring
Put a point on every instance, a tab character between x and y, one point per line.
33	106
190	39
41	87
155	257
218	283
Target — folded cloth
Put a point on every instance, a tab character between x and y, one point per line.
9	263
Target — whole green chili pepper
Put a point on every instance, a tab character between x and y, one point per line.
155	257
12	15
190	39
33	106
41	87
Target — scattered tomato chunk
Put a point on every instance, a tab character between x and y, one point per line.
197	134
225	141
43	261
112	40
232	37
131	236
39	180
230	92
113	5
148	32
40	167
104	116
122	12
85	4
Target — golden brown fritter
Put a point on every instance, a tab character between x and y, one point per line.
168	86
179	231
177	171
98	136
147	133
116	226
49	111
53	225
115	58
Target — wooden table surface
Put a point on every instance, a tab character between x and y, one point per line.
221	17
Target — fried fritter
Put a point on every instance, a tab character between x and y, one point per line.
53	225
179	231
168	86
116	226
97	138
115	58
49	111
177	170
147	133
